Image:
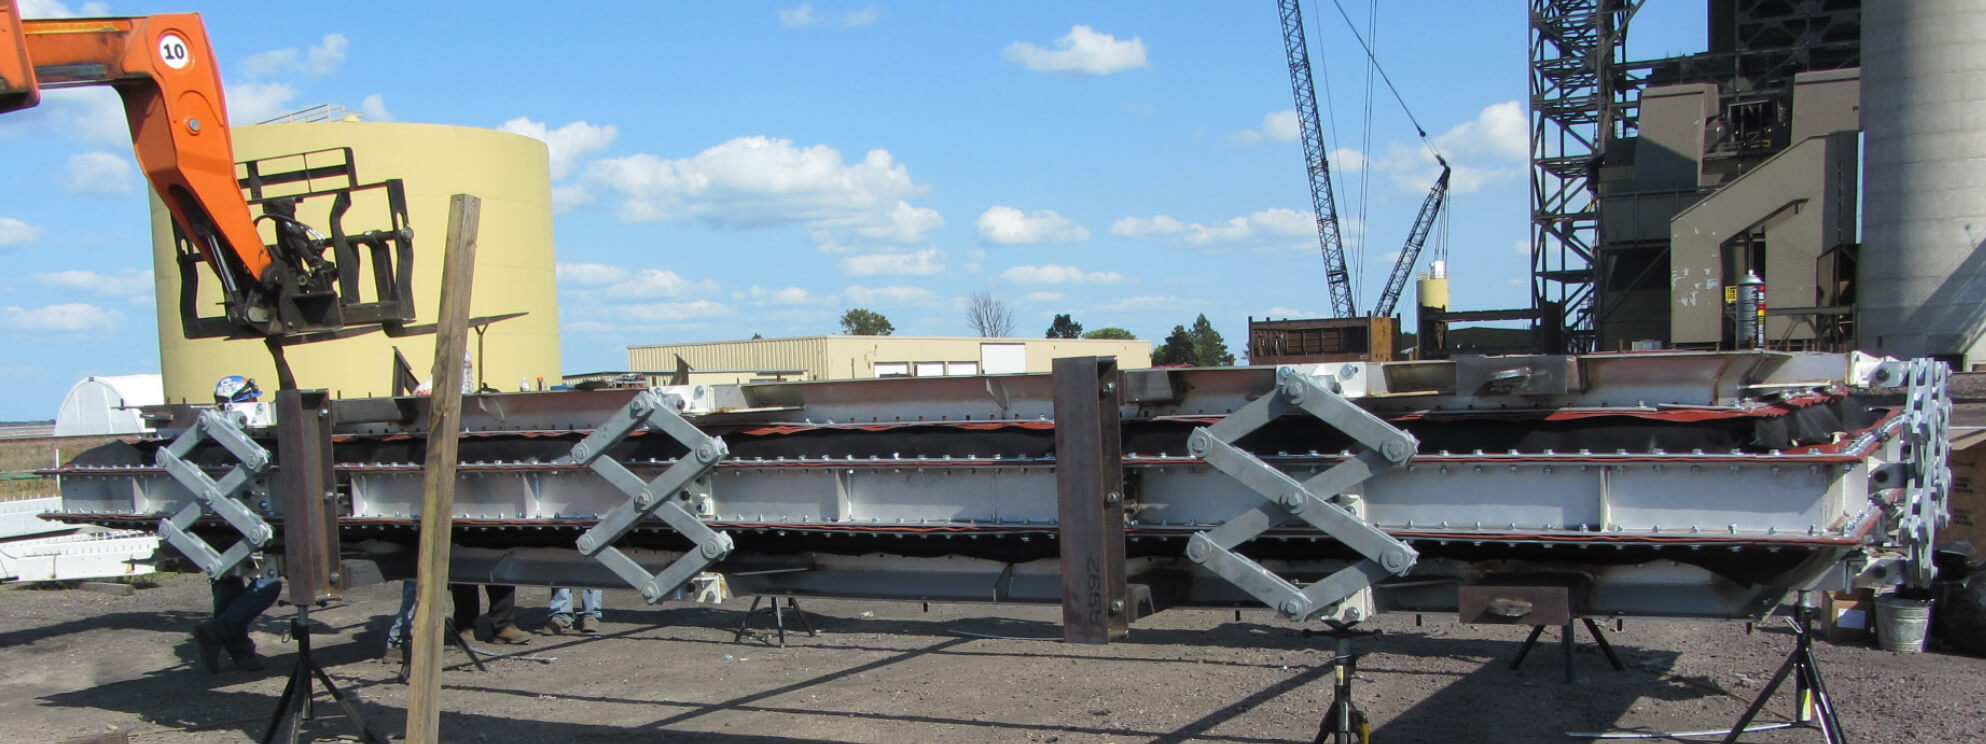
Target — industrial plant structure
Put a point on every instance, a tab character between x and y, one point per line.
1659	185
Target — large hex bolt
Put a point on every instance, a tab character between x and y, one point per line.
1197	549
1396	560
706	453
1294	501
588	545
1293	389
1295	608
1199	443
1396	451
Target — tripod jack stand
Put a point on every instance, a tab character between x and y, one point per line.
1343	723
294	705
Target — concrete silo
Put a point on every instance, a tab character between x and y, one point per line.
514	258
1922	272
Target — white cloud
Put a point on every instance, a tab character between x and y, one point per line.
1280	126
91	114
322	58
14	232
570	195
1138	227
1273	223
664	312
590	274
57	9
374	108
1004	224
1500	132
567	143
864	17
921	263
1522	247
1045	297
123	283
761	182
69	317
1346	160
1493	147
1082	52
101	173
250	103
787	296
796	17
902	223
650	283
1058	274
890	295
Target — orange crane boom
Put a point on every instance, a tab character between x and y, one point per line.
164	70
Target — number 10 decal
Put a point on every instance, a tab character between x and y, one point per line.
173	51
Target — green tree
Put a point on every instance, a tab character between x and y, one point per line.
1201	347
1065	327
865	322
1111	332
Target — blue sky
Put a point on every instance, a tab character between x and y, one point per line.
725	169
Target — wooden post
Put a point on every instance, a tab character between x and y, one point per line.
451	341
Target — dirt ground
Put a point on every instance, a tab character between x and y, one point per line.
80	663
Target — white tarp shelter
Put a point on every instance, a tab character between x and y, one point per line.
108	404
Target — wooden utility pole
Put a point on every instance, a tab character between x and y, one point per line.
451	341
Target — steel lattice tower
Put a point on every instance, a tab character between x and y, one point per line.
1577	47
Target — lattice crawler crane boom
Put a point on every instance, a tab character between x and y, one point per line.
1322	202
1416	240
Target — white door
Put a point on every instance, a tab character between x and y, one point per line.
1003	359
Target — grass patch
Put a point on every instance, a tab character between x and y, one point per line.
19	458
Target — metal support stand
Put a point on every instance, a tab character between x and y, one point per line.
1566	637
1343	722
778	619
1812	705
294	705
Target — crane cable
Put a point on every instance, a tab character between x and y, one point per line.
1365	147
1418	129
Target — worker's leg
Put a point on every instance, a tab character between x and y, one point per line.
561	608
589	617
402	629
467	606
241	611
503	600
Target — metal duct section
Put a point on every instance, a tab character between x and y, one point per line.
1923	273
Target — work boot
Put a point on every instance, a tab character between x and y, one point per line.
210	648
251	662
512	635
560	625
589	624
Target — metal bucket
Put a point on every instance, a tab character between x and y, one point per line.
1902	622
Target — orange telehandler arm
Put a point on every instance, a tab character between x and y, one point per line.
163	68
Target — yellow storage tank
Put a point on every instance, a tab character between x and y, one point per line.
514	259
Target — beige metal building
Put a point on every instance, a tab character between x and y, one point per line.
514	258
859	357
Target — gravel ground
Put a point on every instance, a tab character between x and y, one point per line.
82	663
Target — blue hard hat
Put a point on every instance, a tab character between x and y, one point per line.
236	389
